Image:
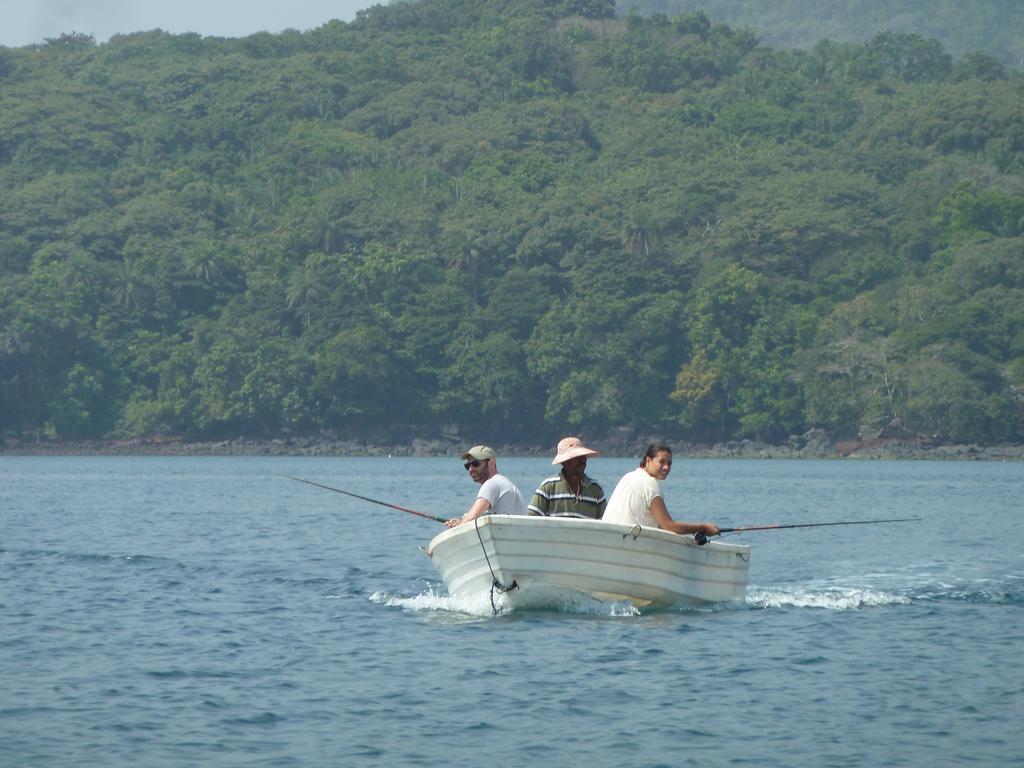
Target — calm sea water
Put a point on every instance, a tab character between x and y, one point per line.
205	611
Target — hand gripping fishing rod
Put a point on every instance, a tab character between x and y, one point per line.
703	539
364	498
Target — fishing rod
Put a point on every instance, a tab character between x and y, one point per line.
364	498
703	539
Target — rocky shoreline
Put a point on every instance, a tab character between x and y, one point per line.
814	445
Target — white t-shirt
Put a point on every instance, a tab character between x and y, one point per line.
505	498
630	502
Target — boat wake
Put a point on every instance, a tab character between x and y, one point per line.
573	602
1004	589
430	601
1007	590
831	598
479	605
875	591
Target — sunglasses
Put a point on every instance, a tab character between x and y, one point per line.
474	463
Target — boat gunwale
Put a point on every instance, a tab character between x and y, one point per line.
623	529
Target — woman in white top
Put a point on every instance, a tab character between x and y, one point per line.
637	499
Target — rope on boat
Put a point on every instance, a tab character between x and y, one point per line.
495	581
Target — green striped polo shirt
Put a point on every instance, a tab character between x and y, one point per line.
554	498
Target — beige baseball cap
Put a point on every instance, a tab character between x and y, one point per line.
480	453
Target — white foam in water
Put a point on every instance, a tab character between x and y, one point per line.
569	601
547	598
572	601
472	605
831	598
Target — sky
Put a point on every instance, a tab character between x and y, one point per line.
26	22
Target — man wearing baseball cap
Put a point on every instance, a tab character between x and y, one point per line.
571	493
497	494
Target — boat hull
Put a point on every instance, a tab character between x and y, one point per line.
646	566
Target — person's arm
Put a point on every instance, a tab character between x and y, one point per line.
538	504
666	522
479	507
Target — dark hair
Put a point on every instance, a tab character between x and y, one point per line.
653	450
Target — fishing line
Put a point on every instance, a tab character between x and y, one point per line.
364	498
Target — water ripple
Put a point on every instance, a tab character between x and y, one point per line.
179	612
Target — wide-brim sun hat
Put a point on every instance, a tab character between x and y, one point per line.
570	448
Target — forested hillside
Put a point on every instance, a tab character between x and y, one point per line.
993	27
516	219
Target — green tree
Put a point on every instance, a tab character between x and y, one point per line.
362	381
129	286
486	385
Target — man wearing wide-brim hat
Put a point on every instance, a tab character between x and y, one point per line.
571	493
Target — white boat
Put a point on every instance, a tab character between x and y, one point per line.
645	566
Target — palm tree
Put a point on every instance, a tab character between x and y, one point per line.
129	289
304	290
464	256
203	262
640	234
327	230
80	270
